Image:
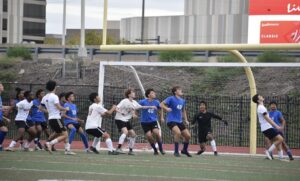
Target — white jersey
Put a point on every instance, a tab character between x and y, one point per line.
49	100
94	119
23	110
126	109
264	124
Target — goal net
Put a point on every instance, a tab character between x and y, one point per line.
224	86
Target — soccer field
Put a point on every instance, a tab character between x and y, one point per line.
144	166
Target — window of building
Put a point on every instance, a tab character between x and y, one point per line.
34	29
34	11
4	24
5	6
4	40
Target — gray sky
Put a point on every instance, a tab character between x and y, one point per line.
117	9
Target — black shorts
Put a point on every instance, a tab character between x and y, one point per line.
44	125
57	125
97	132
121	124
24	124
202	135
149	126
181	126
271	133
77	126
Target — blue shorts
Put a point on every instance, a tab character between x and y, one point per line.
271	133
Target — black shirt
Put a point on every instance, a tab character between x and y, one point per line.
204	119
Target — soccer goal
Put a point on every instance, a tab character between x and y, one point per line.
224	86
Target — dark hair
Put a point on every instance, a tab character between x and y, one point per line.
51	84
18	90
148	91
174	89
68	94
255	98
27	94
93	96
203	102
273	102
38	92
128	91
61	95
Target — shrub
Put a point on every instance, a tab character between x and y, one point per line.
7	76
19	52
175	56
6	62
271	56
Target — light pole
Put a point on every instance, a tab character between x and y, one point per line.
143	22
82	51
63	42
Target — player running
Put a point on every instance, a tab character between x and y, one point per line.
175	108
203	118
149	120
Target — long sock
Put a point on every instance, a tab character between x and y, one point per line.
27	144
131	142
95	142
213	145
122	139
153	147
272	147
109	144
36	140
185	146
280	154
84	140
2	136
12	144
176	149
53	142
160	146
72	135
289	153
98	146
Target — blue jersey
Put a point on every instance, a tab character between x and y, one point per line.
36	114
1	113
149	115
177	105
276	116
72	112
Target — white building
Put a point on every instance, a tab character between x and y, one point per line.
22	21
204	21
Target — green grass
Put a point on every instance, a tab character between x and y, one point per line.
143	166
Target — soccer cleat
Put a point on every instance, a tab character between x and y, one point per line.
268	155
177	154
113	153
93	149
88	151
120	151
199	152
69	153
53	148
156	153
162	152
48	146
131	153
39	146
215	153
9	149
185	152
271	154
291	158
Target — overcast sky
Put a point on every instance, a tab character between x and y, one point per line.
117	9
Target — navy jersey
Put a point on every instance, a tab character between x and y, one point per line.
276	116
72	113
36	114
177	105
149	115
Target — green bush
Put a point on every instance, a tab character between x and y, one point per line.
7	76
175	56
271	56
19	52
6	62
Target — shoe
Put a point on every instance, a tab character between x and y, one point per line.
177	154
268	155
9	149
45	147
69	153
271	154
120	151
131	153
93	149
113	153
291	158
185	152
39	145
199	152
88	151
215	153
162	152
53	148
48	146
22	144
37	148
155	153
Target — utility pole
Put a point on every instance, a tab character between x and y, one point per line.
63	41
143	22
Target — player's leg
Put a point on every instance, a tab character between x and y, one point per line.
288	151
3	132
61	134
213	144
202	139
187	136
276	138
39	130
108	143
96	133
268	144
32	134
157	134
20	133
132	138
121	125
83	138
202	148
151	141
73	130
177	134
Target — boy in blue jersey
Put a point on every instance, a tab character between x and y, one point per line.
3	120
277	117
175	108
149	120
38	116
72	122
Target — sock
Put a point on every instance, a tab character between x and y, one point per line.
84	140
12	144
95	142
67	147
153	147
122	139
36	140
280	154
272	147
98	145
213	145
53	142
185	146
27	144
176	144
160	146
131	142
109	144
72	135
289	153
2	136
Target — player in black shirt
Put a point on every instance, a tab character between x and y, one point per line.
203	118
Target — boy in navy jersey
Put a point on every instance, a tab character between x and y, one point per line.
175	108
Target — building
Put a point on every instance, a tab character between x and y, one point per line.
203	22
22	21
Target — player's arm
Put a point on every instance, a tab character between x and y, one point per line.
60	108
7	120
219	118
194	119
161	115
164	106
269	120
42	108
109	112
185	117
283	122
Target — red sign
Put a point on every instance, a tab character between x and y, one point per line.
274	7
280	32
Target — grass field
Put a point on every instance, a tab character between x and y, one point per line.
143	166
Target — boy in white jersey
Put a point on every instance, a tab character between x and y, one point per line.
51	102
125	111
267	125
94	121
22	123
